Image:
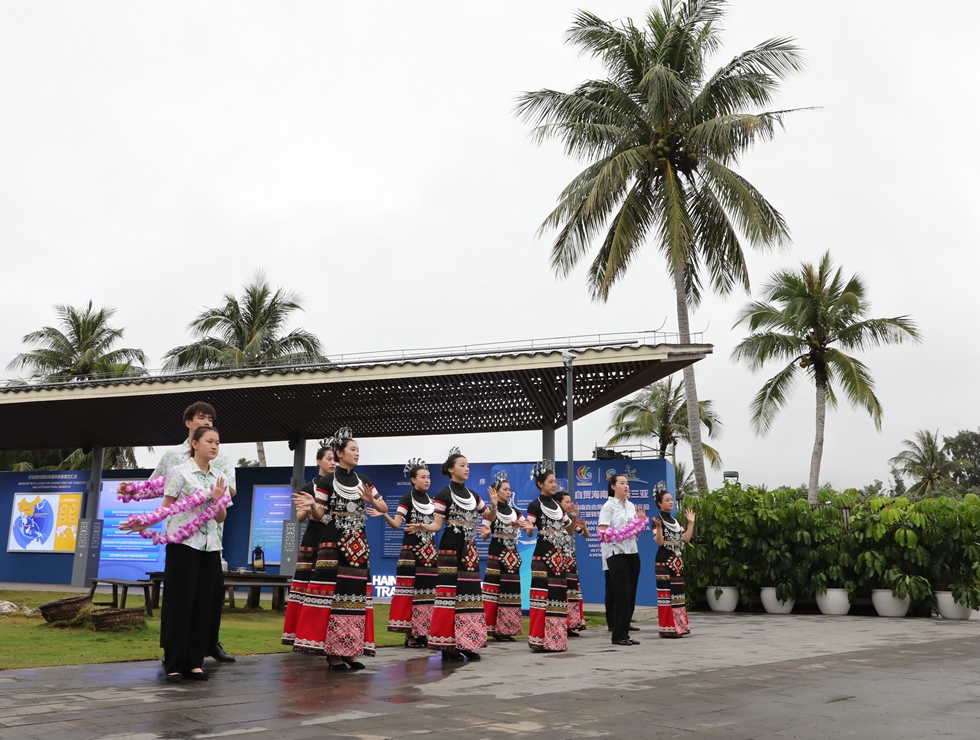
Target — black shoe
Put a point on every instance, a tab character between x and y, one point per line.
627	642
417	644
449	656
634	628
353	664
503	638
469	654
218	653
195	675
173	677
573	633
635	642
337	666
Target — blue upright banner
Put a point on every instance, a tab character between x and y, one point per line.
127	555
271	506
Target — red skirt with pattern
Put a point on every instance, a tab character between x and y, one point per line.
458	622
548	628
502	591
415	590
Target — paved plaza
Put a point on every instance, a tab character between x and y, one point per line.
737	676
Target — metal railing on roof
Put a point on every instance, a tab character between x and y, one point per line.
578	342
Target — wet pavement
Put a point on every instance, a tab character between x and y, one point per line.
737	676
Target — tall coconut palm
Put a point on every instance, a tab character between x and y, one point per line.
659	413
248	332
661	135
927	462
810	318
80	348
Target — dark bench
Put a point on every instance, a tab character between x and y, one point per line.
280	590
119	583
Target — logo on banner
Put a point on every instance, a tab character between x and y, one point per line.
629	472
383	586
583	474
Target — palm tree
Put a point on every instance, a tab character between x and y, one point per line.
81	349
659	413
247	332
661	135
684	482
928	462
807	315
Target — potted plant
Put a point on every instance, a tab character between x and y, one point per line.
824	535
779	563
950	535
890	560
717	556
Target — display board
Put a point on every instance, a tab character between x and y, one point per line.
270	508
46	507
126	555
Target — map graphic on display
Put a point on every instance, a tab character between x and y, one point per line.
34	523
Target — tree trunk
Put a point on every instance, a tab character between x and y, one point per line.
690	387
260	449
814	487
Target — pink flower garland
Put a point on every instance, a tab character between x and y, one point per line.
141	490
179	507
626	532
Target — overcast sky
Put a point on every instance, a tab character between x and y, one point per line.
154	155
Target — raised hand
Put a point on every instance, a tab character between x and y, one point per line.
218	489
303	501
689	514
413	528
484	530
371	511
492	495
367	494
127	527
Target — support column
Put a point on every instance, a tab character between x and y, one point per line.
291	528
570	414
88	540
548	442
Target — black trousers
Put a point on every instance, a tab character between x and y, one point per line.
185	622
217	604
624	575
610	604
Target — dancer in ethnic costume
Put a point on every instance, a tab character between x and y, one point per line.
548	629
459	628
502	580
337	619
576	609
308	547
671	538
417	571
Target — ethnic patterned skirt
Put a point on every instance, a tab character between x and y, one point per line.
548	630
458	622
502	590
671	605
337	616
299	588
576	610
415	590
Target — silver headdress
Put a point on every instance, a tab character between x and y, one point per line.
415	462
542	467
344	433
499	479
453	451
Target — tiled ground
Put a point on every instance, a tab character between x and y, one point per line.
737	676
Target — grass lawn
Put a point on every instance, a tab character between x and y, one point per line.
29	642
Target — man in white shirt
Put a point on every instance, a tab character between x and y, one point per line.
200	414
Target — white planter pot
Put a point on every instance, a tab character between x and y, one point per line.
835	601
949	609
726	603
772	605
887	605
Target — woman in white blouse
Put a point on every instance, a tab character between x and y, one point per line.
622	558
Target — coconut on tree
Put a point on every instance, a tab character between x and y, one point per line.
248	331
811	318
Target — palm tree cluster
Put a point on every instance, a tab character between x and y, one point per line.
934	466
246	331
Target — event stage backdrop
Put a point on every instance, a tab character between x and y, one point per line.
36	539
